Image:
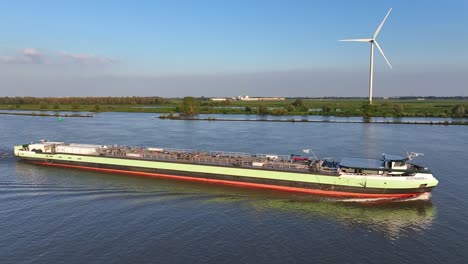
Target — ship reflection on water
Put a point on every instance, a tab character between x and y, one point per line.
392	219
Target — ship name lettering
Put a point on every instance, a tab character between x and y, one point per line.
415	178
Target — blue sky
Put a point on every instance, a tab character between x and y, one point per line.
177	48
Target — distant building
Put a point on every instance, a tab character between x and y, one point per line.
247	98
272	98
218	99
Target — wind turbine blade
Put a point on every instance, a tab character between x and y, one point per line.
381	24
381	52
356	40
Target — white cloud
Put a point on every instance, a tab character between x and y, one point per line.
26	56
31	52
35	56
87	59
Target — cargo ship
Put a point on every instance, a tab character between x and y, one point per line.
388	177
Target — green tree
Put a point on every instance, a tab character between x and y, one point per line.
291	108
299	105
398	108
43	105
458	110
327	108
368	110
248	109
262	110
189	106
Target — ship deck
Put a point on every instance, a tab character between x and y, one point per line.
218	158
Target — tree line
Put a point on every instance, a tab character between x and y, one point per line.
84	100
191	106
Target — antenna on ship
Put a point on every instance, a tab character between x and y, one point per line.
373	42
307	151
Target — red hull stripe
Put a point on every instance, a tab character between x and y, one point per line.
240	184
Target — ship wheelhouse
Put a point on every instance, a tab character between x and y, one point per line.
389	165
395	164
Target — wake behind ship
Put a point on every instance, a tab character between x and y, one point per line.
389	177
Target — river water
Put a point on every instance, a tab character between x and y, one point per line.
55	215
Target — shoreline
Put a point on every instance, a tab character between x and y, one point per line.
291	120
440	123
47	115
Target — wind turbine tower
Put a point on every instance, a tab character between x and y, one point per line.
373	42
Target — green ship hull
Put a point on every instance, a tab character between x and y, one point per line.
365	186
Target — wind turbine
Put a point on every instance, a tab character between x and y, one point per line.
373	42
